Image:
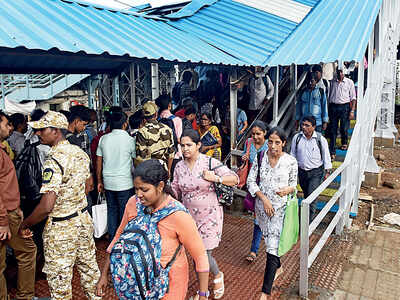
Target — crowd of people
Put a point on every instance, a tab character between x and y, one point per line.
158	169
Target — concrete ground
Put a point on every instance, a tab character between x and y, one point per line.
373	270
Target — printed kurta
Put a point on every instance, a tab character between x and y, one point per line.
198	195
271	180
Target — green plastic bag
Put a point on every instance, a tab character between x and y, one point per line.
290	230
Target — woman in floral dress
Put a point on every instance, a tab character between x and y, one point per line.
278	179
194	186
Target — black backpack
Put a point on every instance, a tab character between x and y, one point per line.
168	121
29	173
319	143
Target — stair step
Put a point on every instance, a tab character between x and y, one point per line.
328	192
334	208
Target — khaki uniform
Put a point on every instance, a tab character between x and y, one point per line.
154	141
69	242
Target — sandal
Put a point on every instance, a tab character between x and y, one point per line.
251	257
218	293
195	297
344	147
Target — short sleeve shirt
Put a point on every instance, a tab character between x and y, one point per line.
65	173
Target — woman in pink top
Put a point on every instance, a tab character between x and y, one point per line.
153	191
193	184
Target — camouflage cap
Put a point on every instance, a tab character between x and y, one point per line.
50	119
149	109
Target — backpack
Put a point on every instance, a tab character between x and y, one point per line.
29	173
135	265
319	143
176	93
168	121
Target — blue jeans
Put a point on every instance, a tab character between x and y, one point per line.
257	235
116	202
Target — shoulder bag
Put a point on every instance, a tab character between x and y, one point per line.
243	170
224	192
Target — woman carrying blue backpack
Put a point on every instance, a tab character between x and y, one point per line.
147	255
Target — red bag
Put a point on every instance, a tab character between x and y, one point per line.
244	169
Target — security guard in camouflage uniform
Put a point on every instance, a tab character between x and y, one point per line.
154	140
68	235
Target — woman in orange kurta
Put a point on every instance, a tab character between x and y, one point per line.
150	180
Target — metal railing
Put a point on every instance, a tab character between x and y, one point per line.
352	170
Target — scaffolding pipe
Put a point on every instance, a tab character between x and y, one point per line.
155	83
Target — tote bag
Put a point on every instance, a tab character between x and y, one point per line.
99	212
290	230
243	170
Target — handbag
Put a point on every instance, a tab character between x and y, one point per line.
290	230
243	170
249	201
224	193
99	213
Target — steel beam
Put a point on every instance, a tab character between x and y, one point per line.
233	114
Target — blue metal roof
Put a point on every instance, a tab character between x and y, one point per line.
75	28
334	30
248	33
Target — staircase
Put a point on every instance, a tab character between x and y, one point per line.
36	87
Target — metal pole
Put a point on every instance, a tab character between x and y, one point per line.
3	97
115	90
90	92
276	98
304	248
233	114
155	82
132	85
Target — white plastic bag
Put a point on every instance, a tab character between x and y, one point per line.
99	212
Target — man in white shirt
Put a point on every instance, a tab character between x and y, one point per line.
342	104
311	150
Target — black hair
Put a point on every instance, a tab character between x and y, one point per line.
186	76
79	112
317	68
37	114
208	114
17	119
310	119
163	102
114	109
118	119
192	134
190	110
153	172
136	119
279	132
2	114
261	125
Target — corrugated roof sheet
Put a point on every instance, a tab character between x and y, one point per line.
334	30
287	9
248	33
71	27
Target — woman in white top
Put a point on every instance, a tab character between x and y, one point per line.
278	178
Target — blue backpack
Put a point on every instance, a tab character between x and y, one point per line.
135	258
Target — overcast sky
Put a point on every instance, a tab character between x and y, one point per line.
123	4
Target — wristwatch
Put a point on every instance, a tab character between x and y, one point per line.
203	294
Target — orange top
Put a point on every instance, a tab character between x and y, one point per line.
178	227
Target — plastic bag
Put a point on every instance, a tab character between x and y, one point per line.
290	230
99	212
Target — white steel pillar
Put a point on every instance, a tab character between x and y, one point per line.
233	114
91	91
276	98
3	97
155	82
115	91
